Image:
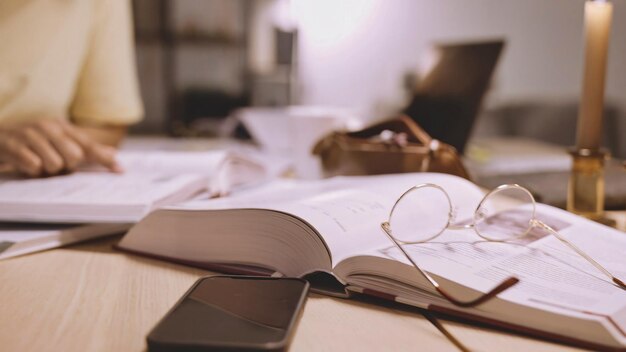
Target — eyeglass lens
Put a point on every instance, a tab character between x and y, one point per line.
506	213
425	211
421	214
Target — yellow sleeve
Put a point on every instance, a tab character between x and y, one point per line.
107	91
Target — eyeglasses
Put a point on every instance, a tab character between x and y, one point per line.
506	213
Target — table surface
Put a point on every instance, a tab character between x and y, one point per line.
90	297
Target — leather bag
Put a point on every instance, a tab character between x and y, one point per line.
394	146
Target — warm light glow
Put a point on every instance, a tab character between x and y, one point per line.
328	23
284	15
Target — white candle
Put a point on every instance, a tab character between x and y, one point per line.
597	27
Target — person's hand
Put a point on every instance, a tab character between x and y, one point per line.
51	147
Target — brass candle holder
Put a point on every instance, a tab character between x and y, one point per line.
585	195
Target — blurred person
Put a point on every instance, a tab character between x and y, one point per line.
68	83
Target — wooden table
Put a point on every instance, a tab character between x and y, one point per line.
89	297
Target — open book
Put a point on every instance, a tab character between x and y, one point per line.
332	228
149	180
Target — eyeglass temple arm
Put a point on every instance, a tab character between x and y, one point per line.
504	285
546	227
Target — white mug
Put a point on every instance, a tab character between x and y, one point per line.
308	125
293	131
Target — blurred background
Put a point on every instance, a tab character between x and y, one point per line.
200	59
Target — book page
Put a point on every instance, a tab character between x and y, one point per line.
149	179
225	169
350	219
552	276
92	188
170	162
347	212
86	197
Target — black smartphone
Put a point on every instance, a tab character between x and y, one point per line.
243	313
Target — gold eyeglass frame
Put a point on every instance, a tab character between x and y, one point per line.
505	284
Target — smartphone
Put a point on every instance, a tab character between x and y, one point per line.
232	313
